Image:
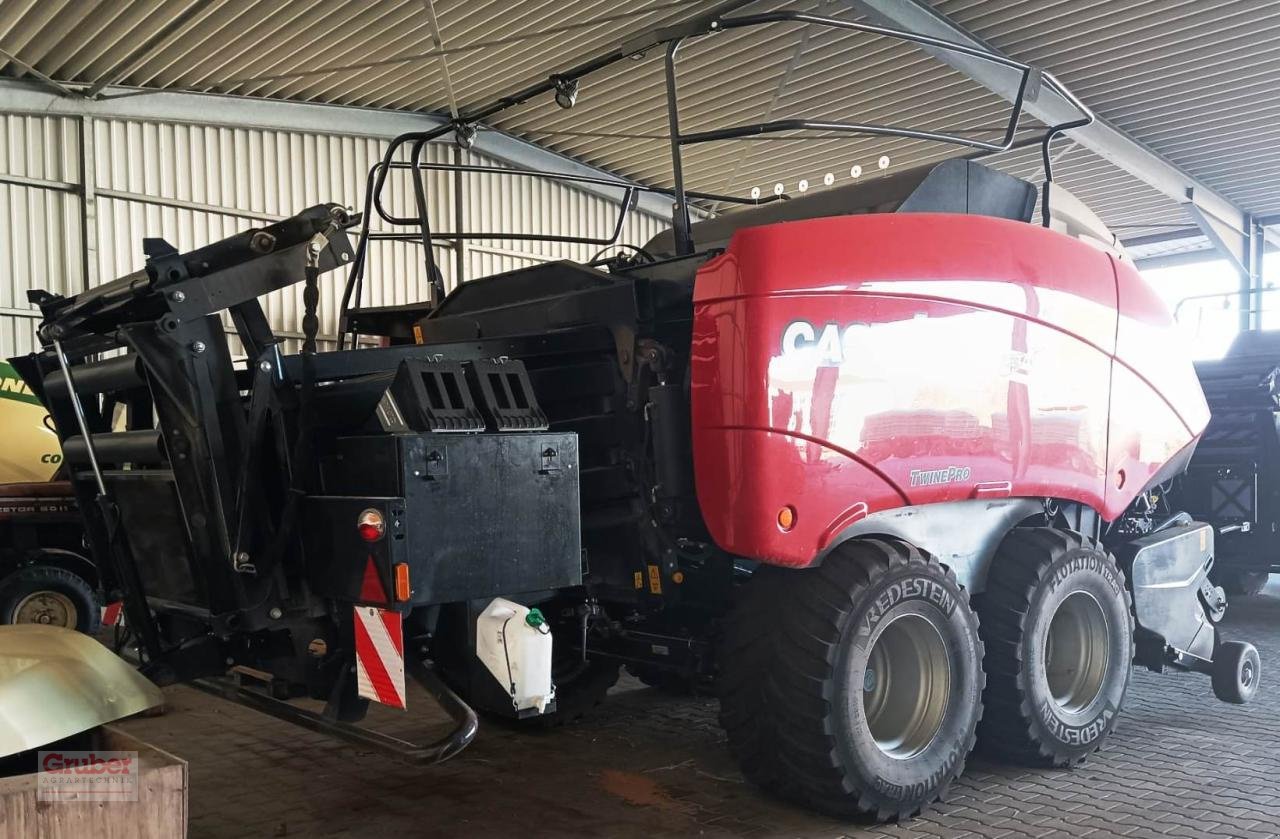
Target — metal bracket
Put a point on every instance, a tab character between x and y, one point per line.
1214	600
1035	80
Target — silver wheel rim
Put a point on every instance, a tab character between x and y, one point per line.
1077	651
906	686
50	608
1248	673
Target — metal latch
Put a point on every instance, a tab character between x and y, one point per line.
437	463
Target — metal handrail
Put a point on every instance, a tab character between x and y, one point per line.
627	200
1031	81
1177	309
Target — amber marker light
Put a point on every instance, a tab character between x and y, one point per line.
402	581
786	518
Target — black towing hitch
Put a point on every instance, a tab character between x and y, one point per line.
1177	610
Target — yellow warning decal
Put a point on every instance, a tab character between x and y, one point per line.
639	581
417	334
655	580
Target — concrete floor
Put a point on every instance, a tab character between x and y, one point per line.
1179	764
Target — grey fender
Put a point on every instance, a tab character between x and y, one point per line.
963	535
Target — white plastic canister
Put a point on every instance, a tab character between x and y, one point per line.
514	642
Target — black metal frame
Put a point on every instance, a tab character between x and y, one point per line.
373	204
185	417
189	510
1032	80
1224	295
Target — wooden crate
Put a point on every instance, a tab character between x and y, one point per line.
159	813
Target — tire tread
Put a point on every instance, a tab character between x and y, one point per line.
1021	562
776	691
60	579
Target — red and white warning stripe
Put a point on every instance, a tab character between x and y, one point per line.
112	613
379	655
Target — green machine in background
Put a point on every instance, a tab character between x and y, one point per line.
30	451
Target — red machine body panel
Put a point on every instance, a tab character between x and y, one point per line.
847	365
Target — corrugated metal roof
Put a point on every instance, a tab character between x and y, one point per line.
1196	80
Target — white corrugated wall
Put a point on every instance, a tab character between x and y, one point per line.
193	184
39	219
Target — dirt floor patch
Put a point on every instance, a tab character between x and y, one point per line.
641	791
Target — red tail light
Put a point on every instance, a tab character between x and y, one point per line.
371	525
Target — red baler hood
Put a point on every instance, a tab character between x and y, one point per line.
851	364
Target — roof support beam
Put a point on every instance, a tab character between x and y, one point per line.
1251	280
1221	220
1180	234
52	84
1233	244
23	96
1178	260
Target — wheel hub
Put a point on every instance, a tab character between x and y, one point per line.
906	686
50	608
1077	652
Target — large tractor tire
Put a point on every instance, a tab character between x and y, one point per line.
855	687
51	596
1059	638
